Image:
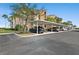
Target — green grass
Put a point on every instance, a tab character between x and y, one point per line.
2	30
76	28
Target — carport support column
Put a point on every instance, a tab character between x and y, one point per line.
37	27
59	27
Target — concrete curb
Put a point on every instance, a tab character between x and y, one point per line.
39	34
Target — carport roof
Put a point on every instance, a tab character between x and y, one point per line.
41	22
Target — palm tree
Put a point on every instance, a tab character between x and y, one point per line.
58	20
12	18
54	19
6	17
65	23
74	26
50	19
24	11
69	22
9	18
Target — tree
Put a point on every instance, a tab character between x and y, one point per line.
6	17
12	17
24	11
54	19
69	22
50	19
18	27
9	18
74	26
58	20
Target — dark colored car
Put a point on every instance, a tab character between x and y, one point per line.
34	30
49	29
54	29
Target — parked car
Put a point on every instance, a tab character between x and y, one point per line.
55	29
49	30
61	29
34	30
65	29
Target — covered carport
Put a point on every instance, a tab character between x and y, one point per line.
41	23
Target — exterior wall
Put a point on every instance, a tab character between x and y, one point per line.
36	17
18	21
15	22
29	25
42	15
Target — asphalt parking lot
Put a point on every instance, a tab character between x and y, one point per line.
65	43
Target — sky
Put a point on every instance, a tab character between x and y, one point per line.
67	11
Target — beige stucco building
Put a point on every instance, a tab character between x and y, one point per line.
41	16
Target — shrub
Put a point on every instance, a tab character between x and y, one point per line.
18	27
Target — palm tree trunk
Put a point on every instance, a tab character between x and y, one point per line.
25	26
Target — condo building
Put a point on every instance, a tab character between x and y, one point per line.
41	16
